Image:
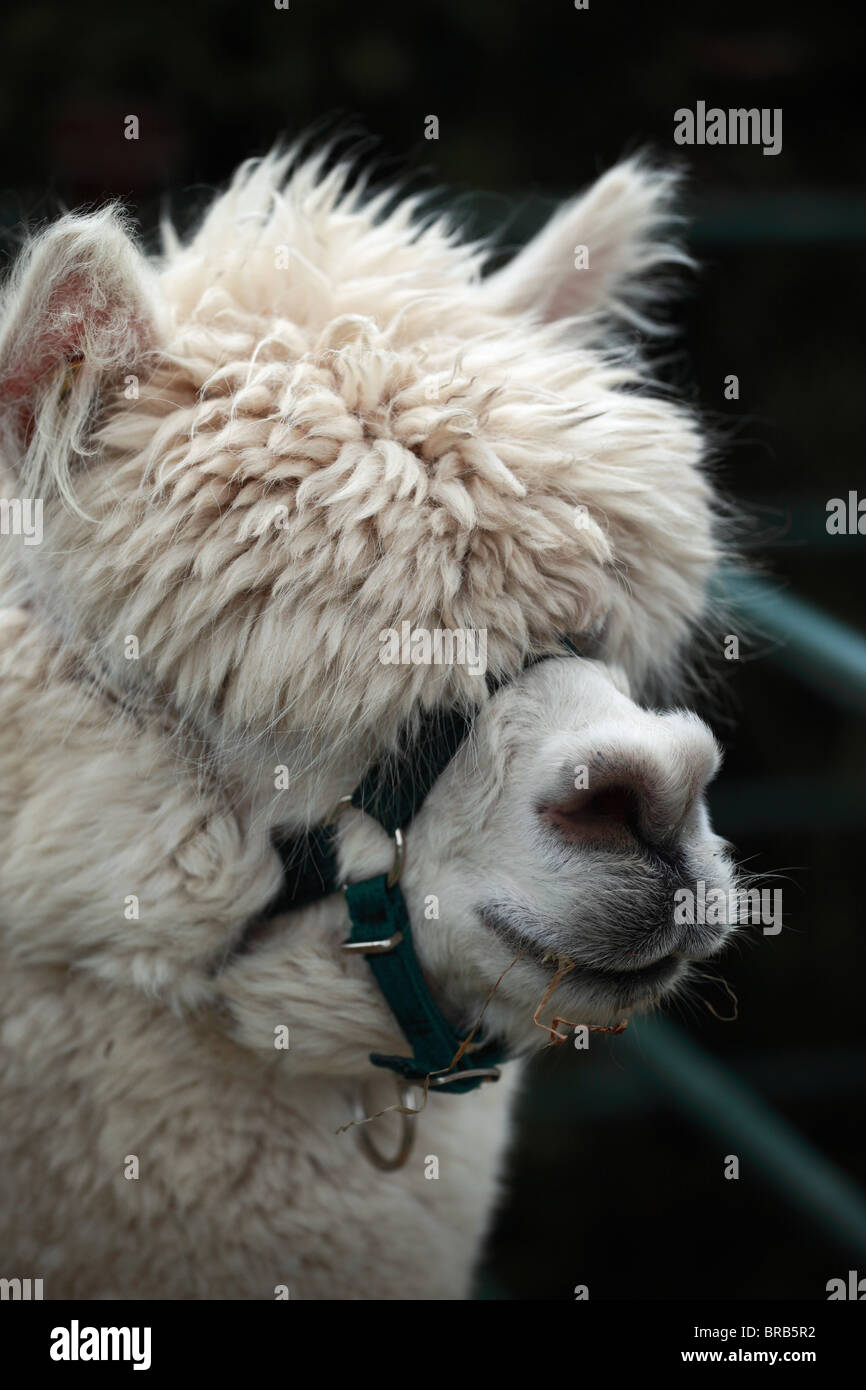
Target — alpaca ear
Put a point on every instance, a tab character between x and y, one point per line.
78	312
591	254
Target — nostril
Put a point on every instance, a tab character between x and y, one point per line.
614	804
607	813
639	787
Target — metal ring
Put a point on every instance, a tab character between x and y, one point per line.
386	1163
345	803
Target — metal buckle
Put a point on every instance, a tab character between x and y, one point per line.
379	947
374	948
479	1073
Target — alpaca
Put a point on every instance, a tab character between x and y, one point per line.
253	458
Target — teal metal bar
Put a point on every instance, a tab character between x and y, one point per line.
797	523
746	1126
768	218
820	650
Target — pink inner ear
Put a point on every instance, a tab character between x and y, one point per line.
67	322
54	350
57	339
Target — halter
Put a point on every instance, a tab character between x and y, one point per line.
392	792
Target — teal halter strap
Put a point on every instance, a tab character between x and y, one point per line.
378	913
392	793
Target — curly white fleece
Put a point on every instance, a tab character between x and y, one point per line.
340	426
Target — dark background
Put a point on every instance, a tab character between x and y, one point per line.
612	1184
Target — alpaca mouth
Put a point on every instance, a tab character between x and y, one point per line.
618	987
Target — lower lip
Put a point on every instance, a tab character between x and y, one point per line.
641	972
635	982
623	990
647	975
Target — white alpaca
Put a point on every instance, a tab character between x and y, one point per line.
309	425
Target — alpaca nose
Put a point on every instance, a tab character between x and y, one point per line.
646	787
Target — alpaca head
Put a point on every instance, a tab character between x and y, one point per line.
317	423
